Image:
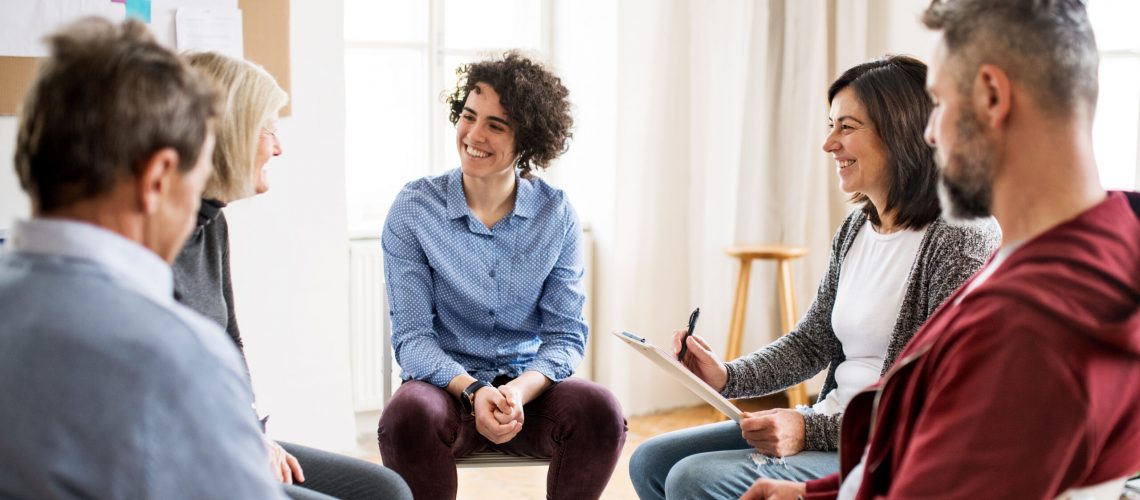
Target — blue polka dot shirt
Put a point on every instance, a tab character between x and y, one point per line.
467	299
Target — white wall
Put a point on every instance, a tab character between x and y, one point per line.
290	250
584	56
289	247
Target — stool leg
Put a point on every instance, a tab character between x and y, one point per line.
796	395
739	307
736	326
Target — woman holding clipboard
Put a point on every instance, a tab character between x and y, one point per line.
892	263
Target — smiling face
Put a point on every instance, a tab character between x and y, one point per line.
859	153
966	159
267	147
484	136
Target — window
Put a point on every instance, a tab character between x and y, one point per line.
400	59
1116	130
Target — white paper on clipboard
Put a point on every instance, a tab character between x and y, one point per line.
669	362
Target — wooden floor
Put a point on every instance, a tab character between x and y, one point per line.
530	482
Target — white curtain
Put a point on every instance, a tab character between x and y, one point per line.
721	112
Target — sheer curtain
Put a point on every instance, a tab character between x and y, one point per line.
721	112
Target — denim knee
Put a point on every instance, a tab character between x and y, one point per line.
692	477
648	468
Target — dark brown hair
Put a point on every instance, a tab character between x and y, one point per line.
535	102
106	100
893	91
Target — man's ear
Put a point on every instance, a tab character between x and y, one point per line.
992	95
156	178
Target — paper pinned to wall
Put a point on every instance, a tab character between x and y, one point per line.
25	23
217	30
139	9
162	15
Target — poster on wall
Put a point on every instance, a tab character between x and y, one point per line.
25	23
214	24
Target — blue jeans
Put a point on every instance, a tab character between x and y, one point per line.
713	461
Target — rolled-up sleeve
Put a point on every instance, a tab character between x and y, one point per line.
410	292
564	330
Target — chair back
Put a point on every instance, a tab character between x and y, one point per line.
1108	490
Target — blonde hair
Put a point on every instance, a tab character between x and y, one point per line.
250	97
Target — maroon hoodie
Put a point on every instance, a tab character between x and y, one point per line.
1028	387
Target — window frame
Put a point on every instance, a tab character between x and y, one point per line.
435	54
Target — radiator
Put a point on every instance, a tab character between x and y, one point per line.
374	367
368	326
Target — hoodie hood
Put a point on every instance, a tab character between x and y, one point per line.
1084	273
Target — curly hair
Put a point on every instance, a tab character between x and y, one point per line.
534	99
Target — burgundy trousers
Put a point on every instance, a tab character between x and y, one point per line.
577	424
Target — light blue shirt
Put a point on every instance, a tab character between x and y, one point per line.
467	299
111	389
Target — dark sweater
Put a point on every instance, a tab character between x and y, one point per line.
202	270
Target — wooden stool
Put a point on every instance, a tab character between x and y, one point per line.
783	255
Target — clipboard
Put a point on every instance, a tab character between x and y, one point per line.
669	362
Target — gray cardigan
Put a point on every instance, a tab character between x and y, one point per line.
949	254
202	270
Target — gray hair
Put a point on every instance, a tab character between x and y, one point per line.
108	98
1047	46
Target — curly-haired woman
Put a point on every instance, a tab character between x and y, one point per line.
484	276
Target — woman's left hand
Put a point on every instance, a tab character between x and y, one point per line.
777	433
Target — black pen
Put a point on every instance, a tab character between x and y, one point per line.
685	340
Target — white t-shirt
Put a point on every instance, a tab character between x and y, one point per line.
872	285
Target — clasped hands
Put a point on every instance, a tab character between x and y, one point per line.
778	432
499	413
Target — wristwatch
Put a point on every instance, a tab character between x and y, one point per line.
467	398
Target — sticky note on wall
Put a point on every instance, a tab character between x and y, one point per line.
139	9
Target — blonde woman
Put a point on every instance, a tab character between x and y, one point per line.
246	141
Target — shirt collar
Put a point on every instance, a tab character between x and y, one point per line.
526	197
128	262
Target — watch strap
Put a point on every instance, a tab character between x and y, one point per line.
467	399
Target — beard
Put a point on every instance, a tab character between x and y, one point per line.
965	185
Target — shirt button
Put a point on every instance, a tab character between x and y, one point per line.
491	312
492	273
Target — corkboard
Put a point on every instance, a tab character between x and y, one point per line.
265	28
